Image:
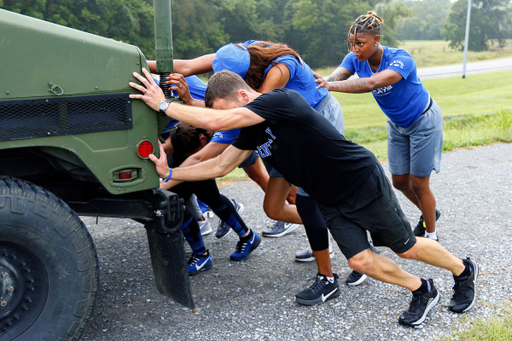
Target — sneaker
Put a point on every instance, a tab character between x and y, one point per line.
244	248
307	255
198	263
279	229
464	290
204	227
355	278
420	306
419	230
223	229
321	291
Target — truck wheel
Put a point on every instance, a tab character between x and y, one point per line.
49	273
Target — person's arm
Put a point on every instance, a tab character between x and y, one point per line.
362	85
179	84
198	117
340	74
208	152
213	168
188	67
276	77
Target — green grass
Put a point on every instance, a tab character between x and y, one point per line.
496	328
477	111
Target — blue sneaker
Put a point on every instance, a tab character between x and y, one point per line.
198	263
244	248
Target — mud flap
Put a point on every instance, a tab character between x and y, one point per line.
170	266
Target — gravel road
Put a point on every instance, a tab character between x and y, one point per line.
254	299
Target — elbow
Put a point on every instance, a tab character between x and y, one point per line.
214	124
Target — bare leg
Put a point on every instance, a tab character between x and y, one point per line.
417	190
323	262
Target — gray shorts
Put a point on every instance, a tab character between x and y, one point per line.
251	160
417	149
372	207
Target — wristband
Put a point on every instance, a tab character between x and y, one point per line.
169	177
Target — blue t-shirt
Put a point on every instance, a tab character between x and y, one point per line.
301	80
226	136
197	90
404	101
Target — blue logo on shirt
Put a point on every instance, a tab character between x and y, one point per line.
264	149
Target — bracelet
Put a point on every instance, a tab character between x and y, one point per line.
169	177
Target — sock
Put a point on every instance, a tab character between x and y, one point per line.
246	238
432	235
330	279
466	272
423	289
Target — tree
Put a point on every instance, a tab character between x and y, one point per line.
490	22
426	21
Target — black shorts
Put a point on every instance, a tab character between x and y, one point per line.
372	207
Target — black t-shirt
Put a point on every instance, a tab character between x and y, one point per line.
305	147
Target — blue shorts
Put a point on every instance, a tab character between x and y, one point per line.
251	160
417	149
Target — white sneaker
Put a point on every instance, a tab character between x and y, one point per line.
307	255
204	227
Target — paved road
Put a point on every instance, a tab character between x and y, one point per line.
254	299
471	68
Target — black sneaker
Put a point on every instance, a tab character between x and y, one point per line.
355	278
419	307
419	230
464	290
321	291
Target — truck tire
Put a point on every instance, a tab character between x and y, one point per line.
49	273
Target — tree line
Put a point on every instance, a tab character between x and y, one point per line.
317	29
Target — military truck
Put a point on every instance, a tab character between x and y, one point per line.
72	144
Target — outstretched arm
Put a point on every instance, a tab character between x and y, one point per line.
210	169
211	150
362	85
206	118
188	67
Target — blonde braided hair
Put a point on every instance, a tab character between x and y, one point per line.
366	23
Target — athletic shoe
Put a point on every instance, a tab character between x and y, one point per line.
420	305
419	230
355	278
307	255
464	290
198	263
223	229
204	227
244	248
321	291
279	229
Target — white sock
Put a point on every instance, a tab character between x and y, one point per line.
432	235
330	279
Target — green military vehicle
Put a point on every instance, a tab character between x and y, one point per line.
73	143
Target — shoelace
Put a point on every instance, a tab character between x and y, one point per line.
240	246
460	288
277	225
415	301
317	285
193	260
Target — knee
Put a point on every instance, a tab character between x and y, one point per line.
419	186
272	211
361	262
400	184
409	254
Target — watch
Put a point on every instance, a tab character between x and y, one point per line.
163	106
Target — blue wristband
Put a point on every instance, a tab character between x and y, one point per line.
169	177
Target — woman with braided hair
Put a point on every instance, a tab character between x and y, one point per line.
415	122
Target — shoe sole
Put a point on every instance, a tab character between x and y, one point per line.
253	247
310	259
477	270
359	281
317	300
292	228
431	305
204	268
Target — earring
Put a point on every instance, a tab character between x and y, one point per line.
376	44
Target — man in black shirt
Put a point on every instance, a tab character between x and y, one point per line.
345	179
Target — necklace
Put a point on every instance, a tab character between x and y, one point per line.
378	68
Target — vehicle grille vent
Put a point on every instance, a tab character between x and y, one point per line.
25	119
